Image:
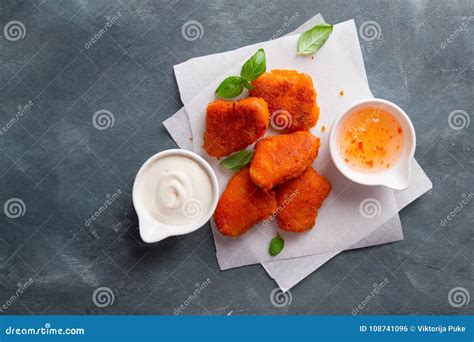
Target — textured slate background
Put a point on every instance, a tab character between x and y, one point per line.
62	168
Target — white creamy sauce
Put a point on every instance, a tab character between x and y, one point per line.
176	190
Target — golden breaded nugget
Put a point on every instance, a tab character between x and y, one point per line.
242	205
299	200
233	125
291	99
282	157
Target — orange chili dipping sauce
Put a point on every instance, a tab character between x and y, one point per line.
370	139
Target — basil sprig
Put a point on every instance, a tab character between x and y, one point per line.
254	67
232	86
276	245
237	161
313	39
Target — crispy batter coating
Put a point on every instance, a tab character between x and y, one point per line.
291	99
282	157
233	125
242	205
299	200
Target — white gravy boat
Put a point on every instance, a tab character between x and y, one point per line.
152	230
396	177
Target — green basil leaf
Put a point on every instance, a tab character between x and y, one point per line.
312	40
276	245
237	160
247	85
231	87
255	66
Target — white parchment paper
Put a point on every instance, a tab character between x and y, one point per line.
285	272
341	223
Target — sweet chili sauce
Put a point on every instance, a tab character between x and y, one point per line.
370	139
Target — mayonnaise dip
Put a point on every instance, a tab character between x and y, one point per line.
176	189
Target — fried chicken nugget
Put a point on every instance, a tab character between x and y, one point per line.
282	157
242	205
291	99
299	200
233	125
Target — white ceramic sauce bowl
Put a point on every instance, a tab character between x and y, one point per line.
397	176
152	230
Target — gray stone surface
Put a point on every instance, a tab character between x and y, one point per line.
63	168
